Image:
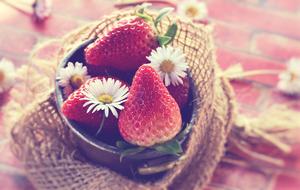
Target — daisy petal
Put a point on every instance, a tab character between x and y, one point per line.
109	87
167	80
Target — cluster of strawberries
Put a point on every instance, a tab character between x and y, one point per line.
145	109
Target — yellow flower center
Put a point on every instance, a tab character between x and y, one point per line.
293	77
167	66
2	76
76	81
191	11
105	98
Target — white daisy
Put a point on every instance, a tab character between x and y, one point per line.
192	9
72	77
170	64
7	75
289	82
105	94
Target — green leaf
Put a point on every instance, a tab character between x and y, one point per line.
144	16
184	132
123	145
169	36
162	14
172	147
164	40
131	151
172	31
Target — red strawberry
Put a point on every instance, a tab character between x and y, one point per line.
125	47
180	92
151	115
73	109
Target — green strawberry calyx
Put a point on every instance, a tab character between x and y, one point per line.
163	39
171	147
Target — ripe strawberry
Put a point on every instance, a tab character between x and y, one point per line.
73	109
125	47
180	92
151	115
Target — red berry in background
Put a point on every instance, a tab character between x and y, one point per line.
180	92
151	115
125	47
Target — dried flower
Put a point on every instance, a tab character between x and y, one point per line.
289	82
42	9
7	75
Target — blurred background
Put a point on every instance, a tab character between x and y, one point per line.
258	34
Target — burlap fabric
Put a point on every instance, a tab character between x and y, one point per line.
48	151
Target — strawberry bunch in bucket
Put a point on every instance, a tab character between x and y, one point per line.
132	88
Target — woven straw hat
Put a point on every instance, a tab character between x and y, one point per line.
49	152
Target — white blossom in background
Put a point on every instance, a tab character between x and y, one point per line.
42	9
7	75
192	9
289	80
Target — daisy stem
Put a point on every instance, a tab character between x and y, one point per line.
21	6
101	126
135	3
250	73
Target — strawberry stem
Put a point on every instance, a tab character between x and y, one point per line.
172	29
144	16
101	126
